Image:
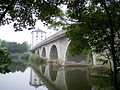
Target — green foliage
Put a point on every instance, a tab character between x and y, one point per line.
0	42
25	56
25	13
20	58
15	57
4	44
19	62
24	47
35	60
14	47
5	61
17	66
102	60
95	26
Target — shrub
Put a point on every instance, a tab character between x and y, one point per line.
35	60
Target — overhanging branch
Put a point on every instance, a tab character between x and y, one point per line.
7	9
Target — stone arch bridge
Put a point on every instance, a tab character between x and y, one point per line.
56	47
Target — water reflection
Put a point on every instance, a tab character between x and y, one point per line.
70	78
51	77
17	66
53	72
77	79
34	80
19	78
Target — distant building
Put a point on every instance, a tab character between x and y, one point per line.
37	36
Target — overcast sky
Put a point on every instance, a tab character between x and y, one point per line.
7	33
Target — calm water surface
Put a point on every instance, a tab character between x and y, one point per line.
17	81
50	77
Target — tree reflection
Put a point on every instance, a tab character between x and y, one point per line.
7	64
5	61
17	66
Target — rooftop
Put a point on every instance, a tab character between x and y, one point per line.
38	30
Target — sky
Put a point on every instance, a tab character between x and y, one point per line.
7	33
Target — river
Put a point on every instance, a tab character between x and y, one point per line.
52	77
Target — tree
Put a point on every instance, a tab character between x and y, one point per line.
14	47
24	47
3	44
24	13
95	27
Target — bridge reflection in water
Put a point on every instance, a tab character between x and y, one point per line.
61	78
67	78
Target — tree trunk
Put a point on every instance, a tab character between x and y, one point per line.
112	42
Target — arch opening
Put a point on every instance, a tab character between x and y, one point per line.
53	72
53	52
38	52
44	52
82	59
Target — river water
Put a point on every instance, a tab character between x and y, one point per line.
51	77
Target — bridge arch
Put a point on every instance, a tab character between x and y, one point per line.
38	52
53	52
66	50
77	58
43	52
